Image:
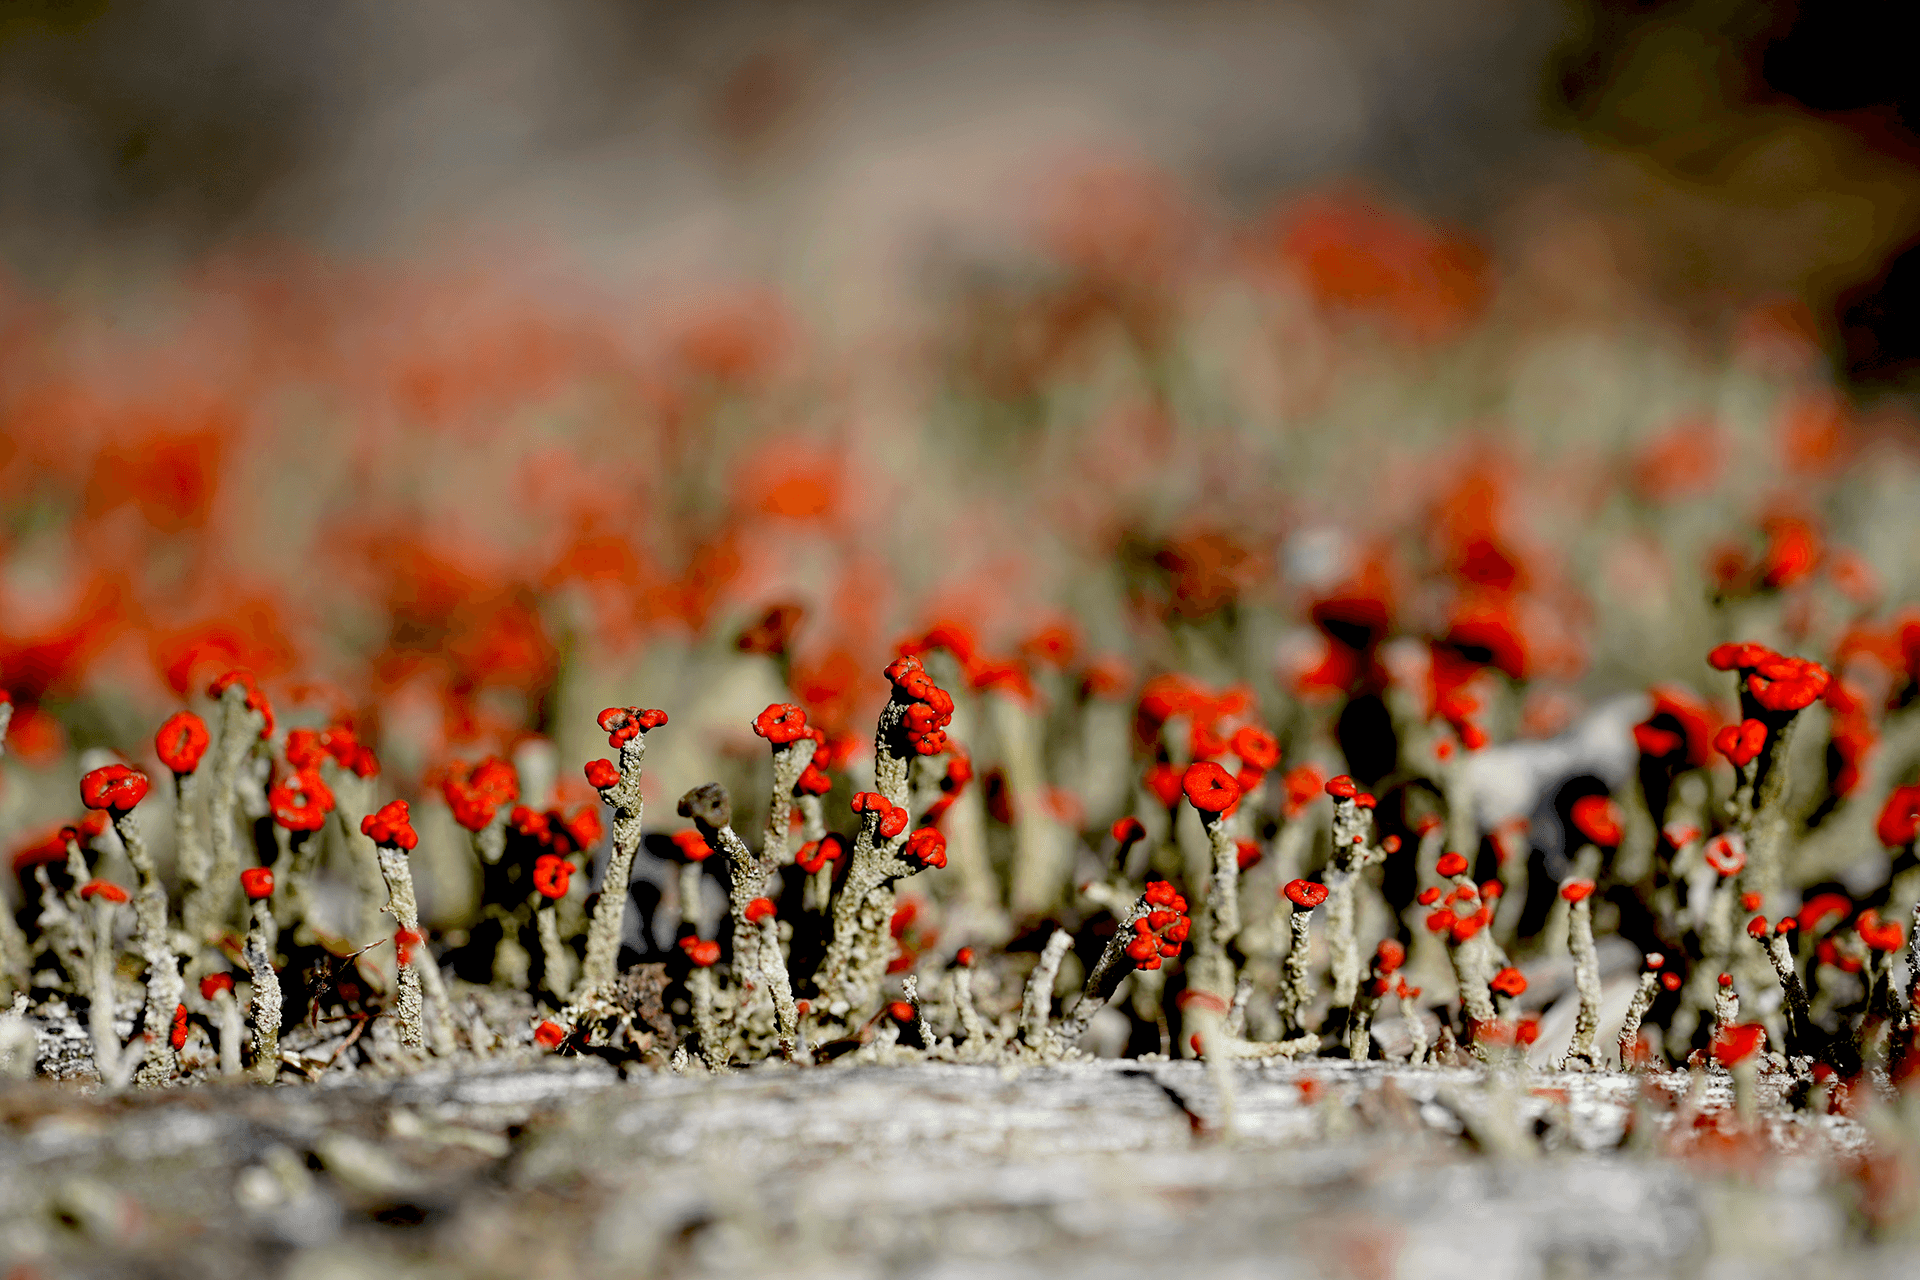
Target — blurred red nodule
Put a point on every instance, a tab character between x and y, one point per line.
1509	982
257	883
1451	864
1899	822
759	909
1757	927
692	846
1731	657
1655	960
602	775
1429	896
1342	787
1390	845
1255	747
964	957
704	952
552	874
1670	980
1128	830
106	890
1750	902
181	742
390	825
1389	955
177	1035
115	788
1878	934
549	1035
781	724
1737	1043
1305	894
901	1012
1209	788
1576	890
214	983
1726	853
1599	820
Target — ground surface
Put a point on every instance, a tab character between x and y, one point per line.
1114	1168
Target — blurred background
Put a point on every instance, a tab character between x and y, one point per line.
463	367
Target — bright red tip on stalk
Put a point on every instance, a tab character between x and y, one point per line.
106	889
214	983
177	1034
1655	741
1256	747
1670	980
1342	787
602	775
692	845
1787	925
759	909
1209	788
390	825
304	749
1726	853
552	875
1787	684
1899	822
1451	864
964	957
115	788
1429	896
181	742
1654	960
549	1035
781	723
1737	1043
1725	979
1492	889
1749	902
927	847
704	952
1163	783
1389	956
1305	894
1129	829
257	883
1598	819
1576	890
623	724
300	801
1878	934
1509	982
1464	927
1737	657
901	1012
1679	834
813	781
1757	928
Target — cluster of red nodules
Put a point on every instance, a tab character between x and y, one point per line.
890	819
704	952
391	826
623	724
929	710
557	831
301	800
308	749
1778	683
476	793
1157	935
1467	909
552	875
1341	787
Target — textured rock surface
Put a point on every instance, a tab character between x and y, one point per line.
562	1169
